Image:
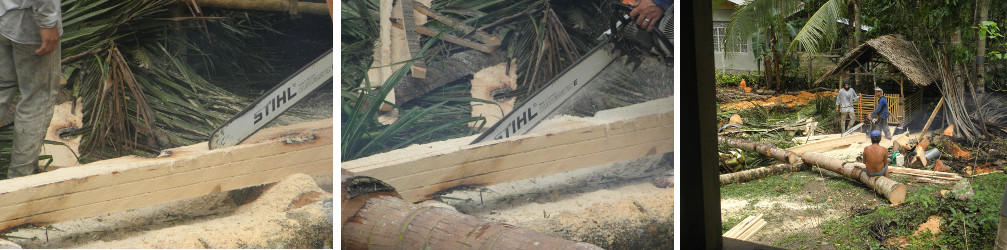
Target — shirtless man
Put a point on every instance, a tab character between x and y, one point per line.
874	156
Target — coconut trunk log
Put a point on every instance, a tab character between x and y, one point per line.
374	217
758	173
269	5
766	149
894	191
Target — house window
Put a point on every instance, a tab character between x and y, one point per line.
719	33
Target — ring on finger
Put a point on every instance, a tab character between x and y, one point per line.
647	20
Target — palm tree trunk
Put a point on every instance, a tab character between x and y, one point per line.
856	36
895	192
759	173
766	149
983	7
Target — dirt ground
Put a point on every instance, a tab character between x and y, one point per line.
801	207
613	206
294	213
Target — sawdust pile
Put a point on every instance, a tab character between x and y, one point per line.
802	98
291	214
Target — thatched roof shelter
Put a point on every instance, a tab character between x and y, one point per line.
898	52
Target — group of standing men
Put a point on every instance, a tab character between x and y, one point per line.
874	155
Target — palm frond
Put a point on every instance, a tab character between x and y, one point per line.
821	29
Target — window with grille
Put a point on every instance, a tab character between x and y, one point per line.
719	33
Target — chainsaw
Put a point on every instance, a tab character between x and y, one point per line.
545	102
273	103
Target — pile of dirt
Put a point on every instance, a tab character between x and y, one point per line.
802	98
294	213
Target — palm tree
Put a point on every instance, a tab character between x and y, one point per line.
821	30
766	17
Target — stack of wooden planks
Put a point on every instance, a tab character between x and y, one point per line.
747	228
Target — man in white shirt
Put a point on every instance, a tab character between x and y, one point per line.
844	105
29	64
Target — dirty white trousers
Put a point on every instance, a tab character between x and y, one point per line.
37	79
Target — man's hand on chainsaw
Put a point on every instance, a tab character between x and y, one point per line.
647	14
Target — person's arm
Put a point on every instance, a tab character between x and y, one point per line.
882	103
647	14
839	96
47	16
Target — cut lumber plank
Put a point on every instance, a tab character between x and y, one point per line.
453	23
924	173
752	174
766	149
447	38
828	144
747	228
557	145
190	171
895	192
733	232
753	229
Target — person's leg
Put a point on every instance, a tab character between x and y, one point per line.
39	80
884	129
853	120
8	83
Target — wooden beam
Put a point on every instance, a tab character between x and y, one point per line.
828	144
269	5
558	145
190	171
447	38
453	23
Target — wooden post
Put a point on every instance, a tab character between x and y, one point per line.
932	115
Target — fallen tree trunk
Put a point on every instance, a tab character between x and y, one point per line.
894	191
766	149
759	173
439	73
383	221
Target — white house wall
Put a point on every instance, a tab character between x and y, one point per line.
738	61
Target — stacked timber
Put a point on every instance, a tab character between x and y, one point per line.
925	173
895	192
762	148
747	228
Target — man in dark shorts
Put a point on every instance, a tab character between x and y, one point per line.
874	156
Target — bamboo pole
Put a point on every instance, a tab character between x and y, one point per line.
895	192
766	149
762	172
269	5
